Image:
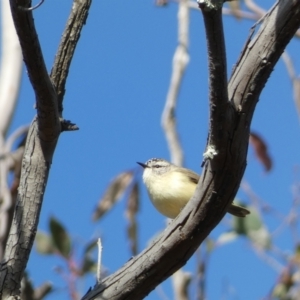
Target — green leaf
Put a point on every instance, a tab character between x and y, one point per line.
44	243
250	222
60	237
253	227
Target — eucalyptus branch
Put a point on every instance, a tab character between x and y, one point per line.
180	61
223	170
66	50
5	196
228	12
260	12
10	68
218	96
8	160
46	99
40	146
256	12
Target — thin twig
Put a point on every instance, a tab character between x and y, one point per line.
294	79
99	260
255	8
289	65
181	281
7	161
5	197
22	130
271	261
294	223
202	258
32	7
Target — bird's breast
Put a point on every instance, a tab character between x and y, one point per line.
169	192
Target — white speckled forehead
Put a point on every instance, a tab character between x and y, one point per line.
152	161
158	165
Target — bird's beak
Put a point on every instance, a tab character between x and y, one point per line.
141	164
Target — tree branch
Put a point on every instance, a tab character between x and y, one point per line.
67	47
180	61
10	68
46	99
260	55
220	112
40	145
223	170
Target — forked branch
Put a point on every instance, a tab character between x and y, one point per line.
225	156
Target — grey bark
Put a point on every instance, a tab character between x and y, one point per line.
42	137
225	156
229	132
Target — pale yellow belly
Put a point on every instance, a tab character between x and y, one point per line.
169	199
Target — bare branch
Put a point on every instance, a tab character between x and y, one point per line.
32	7
294	79
14	136
180	61
218	96
260	12
66	50
8	160
289	65
258	67
6	199
99	244
181	281
257	13
222	173
46	100
228	12
41	142
11	68
255	8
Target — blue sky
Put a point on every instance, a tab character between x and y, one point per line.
116	91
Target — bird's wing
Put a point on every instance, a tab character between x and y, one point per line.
193	177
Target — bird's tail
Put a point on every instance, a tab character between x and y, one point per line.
238	211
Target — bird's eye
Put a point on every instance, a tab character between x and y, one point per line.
157	166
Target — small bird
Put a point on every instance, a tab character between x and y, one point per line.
171	187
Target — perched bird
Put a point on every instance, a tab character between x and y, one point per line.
170	187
